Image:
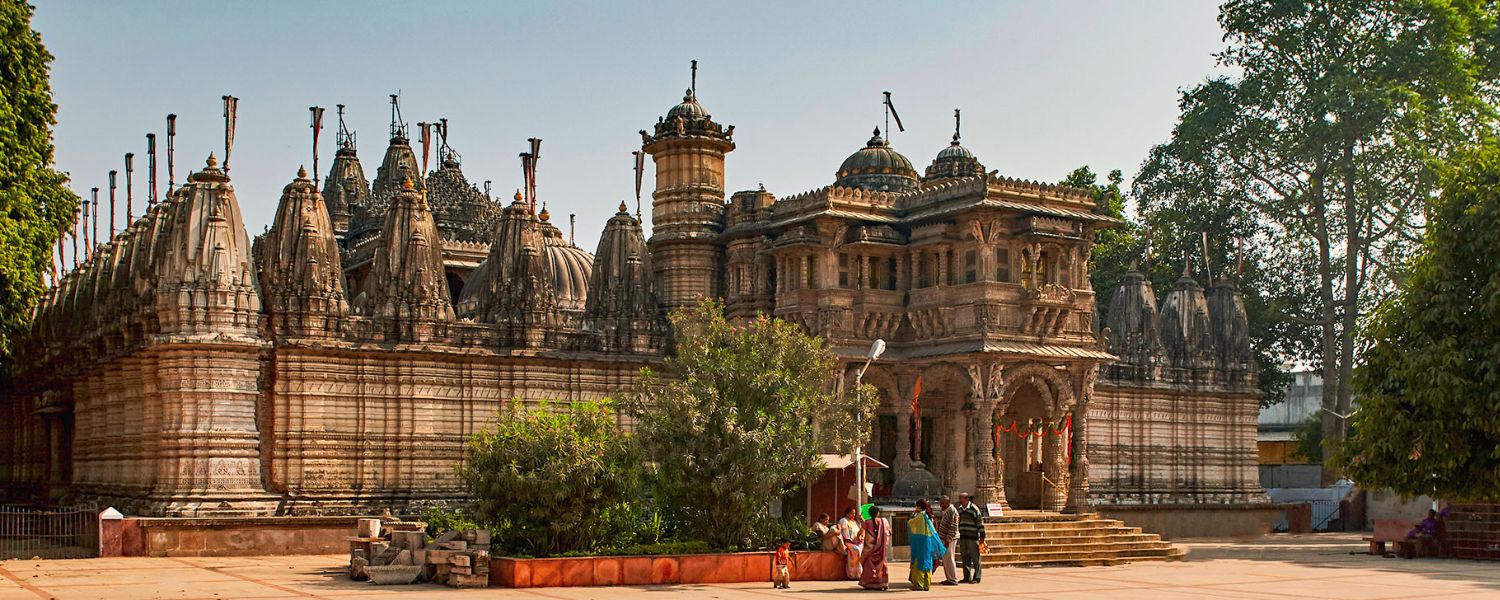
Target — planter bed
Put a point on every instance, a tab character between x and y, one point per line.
736	567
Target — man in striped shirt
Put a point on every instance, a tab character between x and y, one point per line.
970	534
947	530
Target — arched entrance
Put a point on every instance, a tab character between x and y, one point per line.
1021	447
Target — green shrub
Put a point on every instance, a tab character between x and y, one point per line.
769	530
441	518
560	478
744	415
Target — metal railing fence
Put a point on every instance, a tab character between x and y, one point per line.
48	532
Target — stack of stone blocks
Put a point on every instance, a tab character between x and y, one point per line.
397	552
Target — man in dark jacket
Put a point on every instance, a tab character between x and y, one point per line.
970	534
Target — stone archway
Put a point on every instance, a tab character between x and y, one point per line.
1031	444
1020	446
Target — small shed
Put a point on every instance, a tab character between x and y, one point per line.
834	491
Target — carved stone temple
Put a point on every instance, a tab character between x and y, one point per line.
338	362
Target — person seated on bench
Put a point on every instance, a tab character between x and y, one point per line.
1424	537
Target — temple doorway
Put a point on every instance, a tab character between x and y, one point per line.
1022	447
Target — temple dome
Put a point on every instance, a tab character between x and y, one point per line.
877	166
568	266
689	109
955	150
954	161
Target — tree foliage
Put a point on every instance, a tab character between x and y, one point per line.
1429	386
34	204
741	417
1321	150
554	479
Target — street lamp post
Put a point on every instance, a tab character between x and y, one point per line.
876	349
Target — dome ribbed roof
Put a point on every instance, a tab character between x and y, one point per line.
954	161
955	150
877	166
689	108
569	267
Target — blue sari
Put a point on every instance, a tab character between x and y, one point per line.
925	545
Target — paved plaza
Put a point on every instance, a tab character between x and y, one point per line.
1310	566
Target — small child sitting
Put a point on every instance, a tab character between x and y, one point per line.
781	565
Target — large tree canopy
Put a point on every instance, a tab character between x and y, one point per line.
34	204
1321	148
744	416
1429	387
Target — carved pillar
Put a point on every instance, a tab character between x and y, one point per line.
987	387
903	442
1078	484
989	465
942	266
902	267
1054	495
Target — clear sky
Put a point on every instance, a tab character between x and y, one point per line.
1044	86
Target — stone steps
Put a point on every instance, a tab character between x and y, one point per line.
1063	540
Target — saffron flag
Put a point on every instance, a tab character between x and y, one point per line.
916	396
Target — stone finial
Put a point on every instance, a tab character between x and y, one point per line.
302	172
623	210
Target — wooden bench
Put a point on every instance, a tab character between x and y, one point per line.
1387	530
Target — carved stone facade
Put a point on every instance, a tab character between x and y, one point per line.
340	365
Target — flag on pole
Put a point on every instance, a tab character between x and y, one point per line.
916	396
892	108
916	419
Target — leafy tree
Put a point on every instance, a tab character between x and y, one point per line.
1321	149
1309	439
34	204
556	479
1430	382
742	416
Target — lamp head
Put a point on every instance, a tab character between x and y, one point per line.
876	349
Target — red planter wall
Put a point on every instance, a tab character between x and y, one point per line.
657	570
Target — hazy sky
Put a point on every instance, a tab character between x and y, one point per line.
1044	86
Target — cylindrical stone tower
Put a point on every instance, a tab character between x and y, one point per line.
687	208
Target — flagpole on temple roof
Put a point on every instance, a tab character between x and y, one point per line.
73	234
151	165
640	169
171	134
317	128
890	111
89	238
231	115
129	188
112	175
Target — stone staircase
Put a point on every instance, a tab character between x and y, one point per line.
1051	539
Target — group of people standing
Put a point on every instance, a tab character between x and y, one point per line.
943	534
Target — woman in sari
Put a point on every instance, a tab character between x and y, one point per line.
852	537
877	532
925	547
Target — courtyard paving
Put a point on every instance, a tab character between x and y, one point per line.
1306	566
